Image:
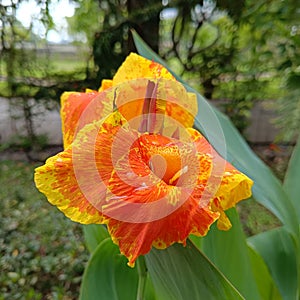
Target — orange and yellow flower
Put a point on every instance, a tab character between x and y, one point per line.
132	161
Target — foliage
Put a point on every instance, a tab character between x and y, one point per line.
288	106
87	19
95	23
107	30
28	78
232	51
42	253
276	35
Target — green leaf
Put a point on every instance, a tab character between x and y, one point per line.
180	273
277	249
292	179
266	285
228	250
213	124
107	276
292	188
94	234
145	286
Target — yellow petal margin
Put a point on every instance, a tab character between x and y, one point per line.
235	186
136	66
56	179
231	185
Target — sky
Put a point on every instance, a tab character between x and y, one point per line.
59	9
29	10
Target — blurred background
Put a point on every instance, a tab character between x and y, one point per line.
243	56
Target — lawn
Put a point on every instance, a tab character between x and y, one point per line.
42	252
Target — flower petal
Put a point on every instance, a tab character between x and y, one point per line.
181	106
235	186
148	212
223	222
136	239
76	179
105	84
136	66
72	105
56	179
229	185
79	109
169	97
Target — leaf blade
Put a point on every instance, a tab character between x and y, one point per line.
167	269
107	275
94	234
291	180
229	252
266	284
277	249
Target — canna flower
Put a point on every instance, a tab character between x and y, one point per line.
133	162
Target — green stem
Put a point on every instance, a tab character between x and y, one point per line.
142	271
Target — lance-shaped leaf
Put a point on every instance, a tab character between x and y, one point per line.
277	250
107	276
180	273
229	251
292	179
266	285
94	234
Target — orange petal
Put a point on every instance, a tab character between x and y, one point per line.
146	210
173	215
72	106
182	106
79	109
136	239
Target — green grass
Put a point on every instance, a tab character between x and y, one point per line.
29	64
256	218
42	252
